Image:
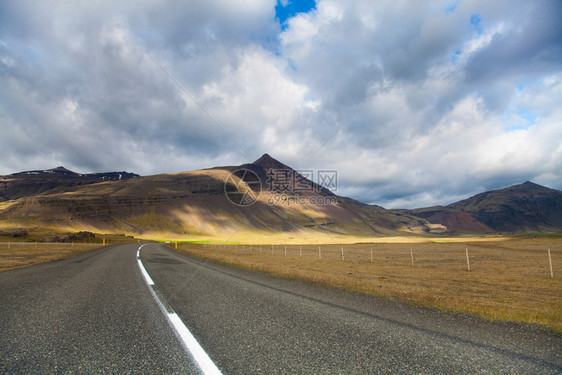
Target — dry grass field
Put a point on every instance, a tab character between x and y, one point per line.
508	279
22	254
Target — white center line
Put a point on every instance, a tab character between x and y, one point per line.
145	274
204	362
202	359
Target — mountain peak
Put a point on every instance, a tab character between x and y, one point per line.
56	171
531	184
61	170
267	162
529	187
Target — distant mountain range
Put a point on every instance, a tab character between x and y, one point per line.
25	184
525	207
265	196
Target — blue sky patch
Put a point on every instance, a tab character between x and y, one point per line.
519	120
451	8
286	9
455	56
476	21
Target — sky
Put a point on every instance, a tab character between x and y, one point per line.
413	103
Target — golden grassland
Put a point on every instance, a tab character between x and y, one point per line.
31	250
255	237
22	254
508	279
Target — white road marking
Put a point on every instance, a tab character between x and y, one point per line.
145	274
202	359
204	362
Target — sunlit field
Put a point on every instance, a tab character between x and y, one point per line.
508	279
23	254
18	254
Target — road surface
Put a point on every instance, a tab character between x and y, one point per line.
95	313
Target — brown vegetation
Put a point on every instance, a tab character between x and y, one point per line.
48	246
22	254
509	280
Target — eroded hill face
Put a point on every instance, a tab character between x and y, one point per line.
251	198
527	207
198	202
30	183
519	208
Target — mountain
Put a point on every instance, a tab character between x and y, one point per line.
276	174
267	162
520	208
29	183
265	197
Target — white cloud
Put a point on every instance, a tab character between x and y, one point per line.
475	106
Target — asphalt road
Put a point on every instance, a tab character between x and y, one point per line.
89	314
94	313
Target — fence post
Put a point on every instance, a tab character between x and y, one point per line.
467	260
319	253
550	262
342	253
371	255
300	251
412	255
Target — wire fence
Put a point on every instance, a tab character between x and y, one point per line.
17	254
529	259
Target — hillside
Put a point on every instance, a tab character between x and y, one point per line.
526	207
203	202
265	197
29	183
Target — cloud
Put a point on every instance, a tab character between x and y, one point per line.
435	125
413	104
87	93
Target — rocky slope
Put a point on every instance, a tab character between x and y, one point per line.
525	207
26	184
204	202
265	196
